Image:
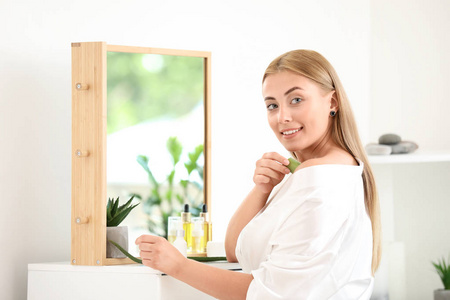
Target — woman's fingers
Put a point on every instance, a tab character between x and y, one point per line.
270	170
156	252
146	247
276	157
272	165
267	175
146	238
274	161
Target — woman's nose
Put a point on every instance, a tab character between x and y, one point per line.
284	116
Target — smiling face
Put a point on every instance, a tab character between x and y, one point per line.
298	111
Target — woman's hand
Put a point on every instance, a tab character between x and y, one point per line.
270	171
157	253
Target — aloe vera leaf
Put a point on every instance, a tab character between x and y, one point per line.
293	164
115	206
139	261
124	206
135	259
205	259
108	209
118	218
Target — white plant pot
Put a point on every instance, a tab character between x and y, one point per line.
442	294
120	236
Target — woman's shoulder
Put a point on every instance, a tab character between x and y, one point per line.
332	158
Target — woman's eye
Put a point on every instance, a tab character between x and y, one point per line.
271	106
296	100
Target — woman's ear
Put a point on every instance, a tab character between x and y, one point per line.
334	105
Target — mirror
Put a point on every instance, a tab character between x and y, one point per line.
120	144
155	103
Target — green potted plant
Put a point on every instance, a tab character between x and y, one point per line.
115	214
443	269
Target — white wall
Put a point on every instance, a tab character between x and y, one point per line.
410	60
410	48
243	36
421	209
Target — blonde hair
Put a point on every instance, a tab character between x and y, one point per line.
344	132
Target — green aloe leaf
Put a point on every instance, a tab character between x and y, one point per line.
293	164
124	206
139	261
114	207
206	259
135	259
108	209
118	218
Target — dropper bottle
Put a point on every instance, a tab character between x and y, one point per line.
207	226
186	220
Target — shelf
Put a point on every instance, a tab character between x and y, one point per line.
131	268
415	157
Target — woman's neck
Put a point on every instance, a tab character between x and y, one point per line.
322	148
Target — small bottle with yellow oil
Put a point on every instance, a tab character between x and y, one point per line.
207	225
198	241
186	220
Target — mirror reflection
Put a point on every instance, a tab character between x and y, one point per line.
155	136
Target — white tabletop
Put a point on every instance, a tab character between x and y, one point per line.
131	268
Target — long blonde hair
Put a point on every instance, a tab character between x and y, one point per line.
344	132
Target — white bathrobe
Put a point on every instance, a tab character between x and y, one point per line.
312	240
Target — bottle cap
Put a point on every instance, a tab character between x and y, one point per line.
186	215
204	213
180	233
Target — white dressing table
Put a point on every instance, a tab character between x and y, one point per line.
63	281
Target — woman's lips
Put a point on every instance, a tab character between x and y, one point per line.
290	133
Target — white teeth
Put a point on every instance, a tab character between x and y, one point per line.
290	132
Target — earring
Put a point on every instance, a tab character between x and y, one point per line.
332	113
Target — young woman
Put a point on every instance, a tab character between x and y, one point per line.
314	234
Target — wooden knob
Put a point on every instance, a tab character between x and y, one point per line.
81	153
81	220
81	86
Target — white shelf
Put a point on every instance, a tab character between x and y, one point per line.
131	268
415	157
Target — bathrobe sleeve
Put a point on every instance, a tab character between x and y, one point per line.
304	247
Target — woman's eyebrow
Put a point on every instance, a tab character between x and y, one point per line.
292	89
287	92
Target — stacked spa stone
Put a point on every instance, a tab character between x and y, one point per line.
391	144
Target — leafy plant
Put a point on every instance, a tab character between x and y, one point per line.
115	214
167	198
443	270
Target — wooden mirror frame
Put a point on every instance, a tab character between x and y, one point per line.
89	125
